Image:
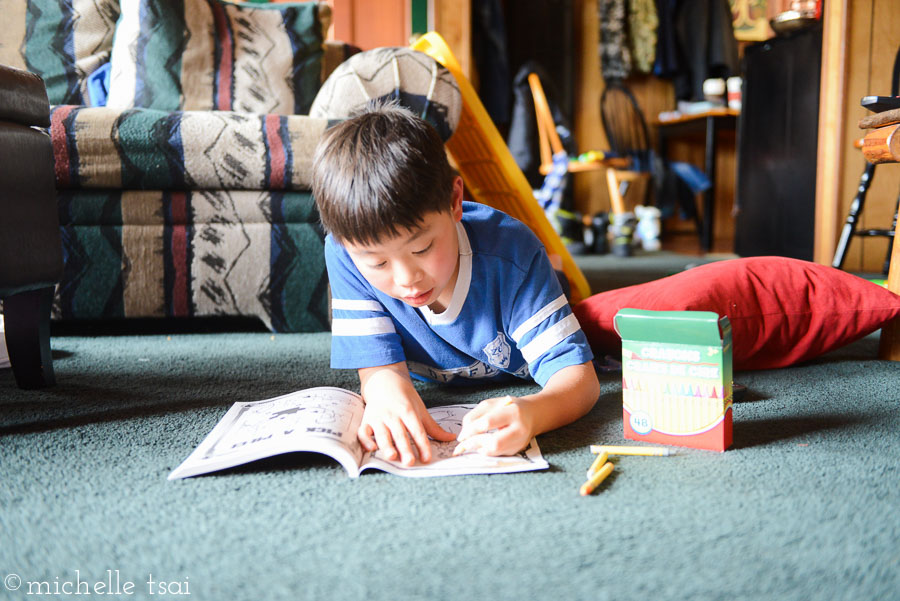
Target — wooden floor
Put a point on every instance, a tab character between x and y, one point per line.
688	243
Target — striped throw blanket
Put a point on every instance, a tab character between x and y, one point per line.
148	149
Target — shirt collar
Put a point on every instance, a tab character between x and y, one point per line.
460	289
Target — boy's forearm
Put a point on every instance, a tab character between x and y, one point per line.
568	395
393	375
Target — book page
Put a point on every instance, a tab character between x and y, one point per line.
322	420
443	463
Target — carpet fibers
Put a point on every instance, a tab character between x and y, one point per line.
806	505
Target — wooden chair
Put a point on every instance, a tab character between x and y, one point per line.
877	149
626	131
882	145
551	145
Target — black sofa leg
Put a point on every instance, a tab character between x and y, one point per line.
27	321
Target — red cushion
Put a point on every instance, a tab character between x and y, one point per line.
782	311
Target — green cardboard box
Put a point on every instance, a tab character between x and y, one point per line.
676	377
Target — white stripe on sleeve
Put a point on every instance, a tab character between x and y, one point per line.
349	304
369	326
550	337
548	310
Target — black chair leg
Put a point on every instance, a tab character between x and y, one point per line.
890	246
856	207
27	321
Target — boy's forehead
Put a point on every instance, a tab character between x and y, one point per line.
389	240
404	236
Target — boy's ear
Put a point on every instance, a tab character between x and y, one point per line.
456	206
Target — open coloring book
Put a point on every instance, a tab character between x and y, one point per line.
325	420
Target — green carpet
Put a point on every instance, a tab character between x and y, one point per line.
805	506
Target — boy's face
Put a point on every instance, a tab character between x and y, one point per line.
419	266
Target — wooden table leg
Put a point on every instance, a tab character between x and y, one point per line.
889	348
709	197
615	196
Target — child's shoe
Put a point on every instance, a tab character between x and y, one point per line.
599	229
622	227
571	230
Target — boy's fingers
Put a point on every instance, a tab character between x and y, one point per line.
479	410
486	407
366	437
385	441
423	447
471	418
434	430
489	421
401	441
498	442
418	433
485	444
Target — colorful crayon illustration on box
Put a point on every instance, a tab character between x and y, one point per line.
676	377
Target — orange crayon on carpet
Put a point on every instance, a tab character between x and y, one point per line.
598	463
595	480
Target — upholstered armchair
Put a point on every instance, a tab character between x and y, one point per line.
30	249
185	192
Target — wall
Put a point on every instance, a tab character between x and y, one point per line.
452	20
653	95
373	23
873	37
369	24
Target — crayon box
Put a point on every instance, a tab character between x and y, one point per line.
676	377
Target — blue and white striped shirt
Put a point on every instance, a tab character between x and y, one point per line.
508	315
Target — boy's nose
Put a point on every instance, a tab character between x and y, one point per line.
407	275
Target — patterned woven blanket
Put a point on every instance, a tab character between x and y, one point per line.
145	149
191	254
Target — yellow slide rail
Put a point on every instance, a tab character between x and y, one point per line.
489	170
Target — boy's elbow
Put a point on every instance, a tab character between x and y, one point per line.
595	392
591	387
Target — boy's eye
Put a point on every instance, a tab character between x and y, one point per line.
378	266
424	250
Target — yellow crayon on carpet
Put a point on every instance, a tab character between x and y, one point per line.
595	480
598	463
629	450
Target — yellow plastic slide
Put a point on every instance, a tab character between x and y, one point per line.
489	170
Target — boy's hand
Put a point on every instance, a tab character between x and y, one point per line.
506	425
395	426
395	419
500	426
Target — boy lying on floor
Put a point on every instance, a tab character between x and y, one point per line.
427	284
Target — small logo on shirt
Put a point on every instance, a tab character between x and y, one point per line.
498	351
475	370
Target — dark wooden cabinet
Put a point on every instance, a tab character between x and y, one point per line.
777	146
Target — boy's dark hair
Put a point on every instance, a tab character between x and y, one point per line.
378	173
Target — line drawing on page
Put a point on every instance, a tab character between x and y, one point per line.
320	415
450	418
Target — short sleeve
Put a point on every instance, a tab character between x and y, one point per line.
542	324
363	333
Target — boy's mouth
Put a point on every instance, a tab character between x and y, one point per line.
418	299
